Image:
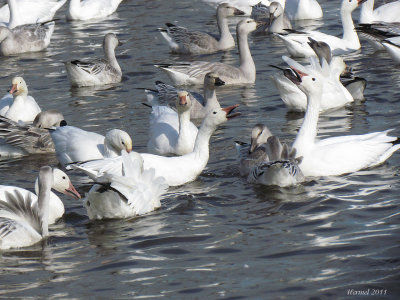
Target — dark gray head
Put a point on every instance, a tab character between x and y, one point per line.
227	10
321	49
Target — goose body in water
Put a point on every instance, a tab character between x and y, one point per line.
184	41
277	19
97	72
24	218
389	12
91	9
194	72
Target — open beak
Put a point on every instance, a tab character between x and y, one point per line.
294	75
360	1
238	12
13	89
229	110
219	82
71	191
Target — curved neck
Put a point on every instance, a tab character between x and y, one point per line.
225	35
247	65
349	33
308	131
109	53
14	14
201	145
109	150
367	12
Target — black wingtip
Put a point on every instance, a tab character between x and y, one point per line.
396	141
146	104
170	25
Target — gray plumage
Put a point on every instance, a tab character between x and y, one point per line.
274	18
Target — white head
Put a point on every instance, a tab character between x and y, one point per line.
259	135
18	87
275	10
246	26
111	41
350	5
183	102
219	115
308	84
117	140
48	119
226	10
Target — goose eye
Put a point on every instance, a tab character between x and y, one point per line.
123	143
313	79
214	112
63	177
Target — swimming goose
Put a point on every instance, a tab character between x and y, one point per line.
250	155
281	168
245	5
25	38
336	155
277	19
335	95
21	12
297	43
135	193
91	9
176	170
73	144
171	132
166	95
194	72
25	139
97	72
389	12
20	107
24	221
303	9
184	41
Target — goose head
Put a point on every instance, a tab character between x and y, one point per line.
308	84
226	10
259	135
220	115
211	80
111	41
18	87
59	182
183	102
275	10
246	26
117	140
350	5
48	119
321	49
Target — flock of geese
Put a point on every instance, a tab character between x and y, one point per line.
127	183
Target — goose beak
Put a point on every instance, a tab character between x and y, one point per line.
71	191
182	100
228	111
219	82
238	12
14	88
360	1
294	75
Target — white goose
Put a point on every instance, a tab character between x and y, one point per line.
335	155
194	72
97	72
244	5
20	107
176	170
389	12
184	41
91	9
303	9
73	144
21	12
297	43
25	38
135	193
166	95
24	221
25	139
171	132
61	183
277	19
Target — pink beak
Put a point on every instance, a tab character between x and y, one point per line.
14	89
71	191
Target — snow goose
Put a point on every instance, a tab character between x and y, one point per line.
335	155
166	95
303	9
97	72
245	5
73	144
25	139
25	38
251	155
171	132
389	12
277	19
21	12
184	41
281	168
194	72
91	9
176	170
335	95
21	107
24	221
297	43
135	193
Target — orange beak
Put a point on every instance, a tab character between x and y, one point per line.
14	89
182	100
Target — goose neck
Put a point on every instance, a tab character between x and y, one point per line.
43	203
226	38
184	125
367	12
210	97
247	65
201	145
109	53
14	14
349	33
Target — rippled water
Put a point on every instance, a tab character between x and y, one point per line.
217	237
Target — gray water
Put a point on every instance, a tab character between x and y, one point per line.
217	237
